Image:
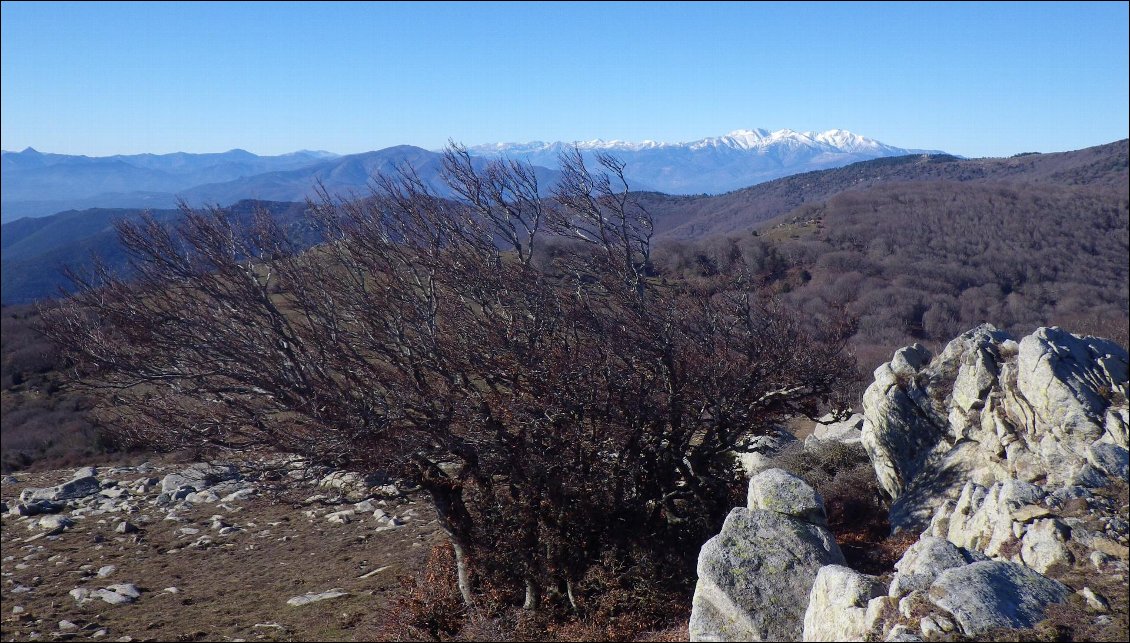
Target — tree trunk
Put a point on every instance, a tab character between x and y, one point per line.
463	573
456	522
531	595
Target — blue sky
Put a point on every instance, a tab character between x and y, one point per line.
978	79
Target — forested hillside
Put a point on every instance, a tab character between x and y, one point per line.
923	260
697	217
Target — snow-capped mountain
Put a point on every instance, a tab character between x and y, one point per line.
716	164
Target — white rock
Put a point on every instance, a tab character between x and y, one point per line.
1095	601
313	597
923	562
837	605
986	595
1043	545
780	491
755	577
341	517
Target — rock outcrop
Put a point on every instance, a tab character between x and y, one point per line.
756	575
938	588
1051	409
1007	457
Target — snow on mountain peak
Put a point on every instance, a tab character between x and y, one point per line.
834	140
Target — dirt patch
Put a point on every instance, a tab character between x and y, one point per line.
231	586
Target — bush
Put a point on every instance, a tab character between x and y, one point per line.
566	410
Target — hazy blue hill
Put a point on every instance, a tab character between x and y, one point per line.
36	249
343	175
36	184
44	189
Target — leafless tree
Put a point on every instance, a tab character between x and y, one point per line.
556	400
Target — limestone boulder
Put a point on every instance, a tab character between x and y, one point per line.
755	577
995	594
779	491
198	477
923	562
71	490
838	605
847	431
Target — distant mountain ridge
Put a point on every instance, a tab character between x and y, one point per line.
38	184
33	249
72	182
715	165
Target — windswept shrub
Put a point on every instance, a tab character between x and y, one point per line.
566	410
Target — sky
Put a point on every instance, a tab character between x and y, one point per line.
976	79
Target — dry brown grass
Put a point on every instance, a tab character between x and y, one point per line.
223	590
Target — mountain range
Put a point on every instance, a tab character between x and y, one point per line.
37	184
34	248
717	164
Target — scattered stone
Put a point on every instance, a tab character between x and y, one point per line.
902	633
117	594
84	472
236	496
342	517
374	572
54	524
67	626
125	527
314	597
106	570
77	488
38	507
197	477
1095	601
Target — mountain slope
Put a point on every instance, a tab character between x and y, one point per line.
36	249
691	217
919	250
